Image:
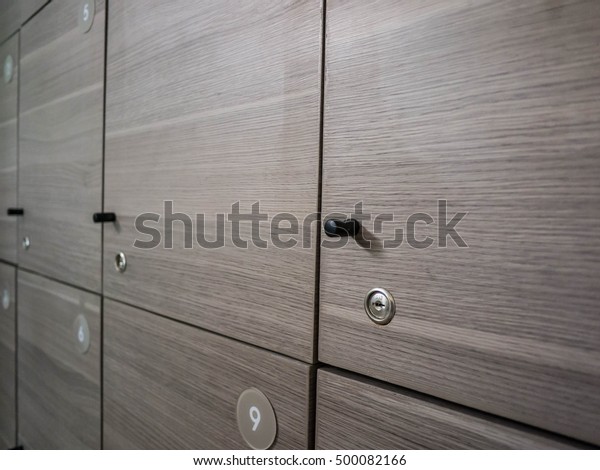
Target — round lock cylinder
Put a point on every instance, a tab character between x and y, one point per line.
380	306
120	262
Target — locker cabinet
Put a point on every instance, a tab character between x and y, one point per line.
59	365
60	142
9	85
358	413
8	433
209	105
484	108
171	385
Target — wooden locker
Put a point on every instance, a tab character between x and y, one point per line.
61	143
8	404
9	86
210	104
59	348
492	107
357	413
173	386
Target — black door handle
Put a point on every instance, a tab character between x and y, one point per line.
14	211
101	217
342	228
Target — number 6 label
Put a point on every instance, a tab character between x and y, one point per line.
87	9
256	419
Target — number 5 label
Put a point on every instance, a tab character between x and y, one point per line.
87	10
256	419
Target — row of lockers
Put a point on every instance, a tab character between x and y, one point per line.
171	385
490	107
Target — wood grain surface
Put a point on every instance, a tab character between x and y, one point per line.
60	143
494	107
13	13
28	8
173	386
58	386
208	104
8	404
357	413
10	18
8	151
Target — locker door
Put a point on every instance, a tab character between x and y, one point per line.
8	301
59	365
209	105
198	388
60	141
438	109
357	413
9	85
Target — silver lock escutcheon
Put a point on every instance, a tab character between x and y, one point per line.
380	306
120	262
26	243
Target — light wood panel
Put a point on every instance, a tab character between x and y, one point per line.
8	404
190	381
10	17
355	413
208	104
28	8
59	387
493	106
61	134
13	13
8	151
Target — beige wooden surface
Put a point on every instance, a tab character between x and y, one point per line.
8	404
209	104
60	143
358	413
169	385
8	151
493	106
58	386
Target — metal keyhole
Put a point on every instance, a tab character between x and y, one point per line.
380	306
379	303
26	243
120	262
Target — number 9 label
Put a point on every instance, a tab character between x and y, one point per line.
256	419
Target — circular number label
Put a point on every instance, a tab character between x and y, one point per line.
81	332
5	299
87	10
256	419
8	69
